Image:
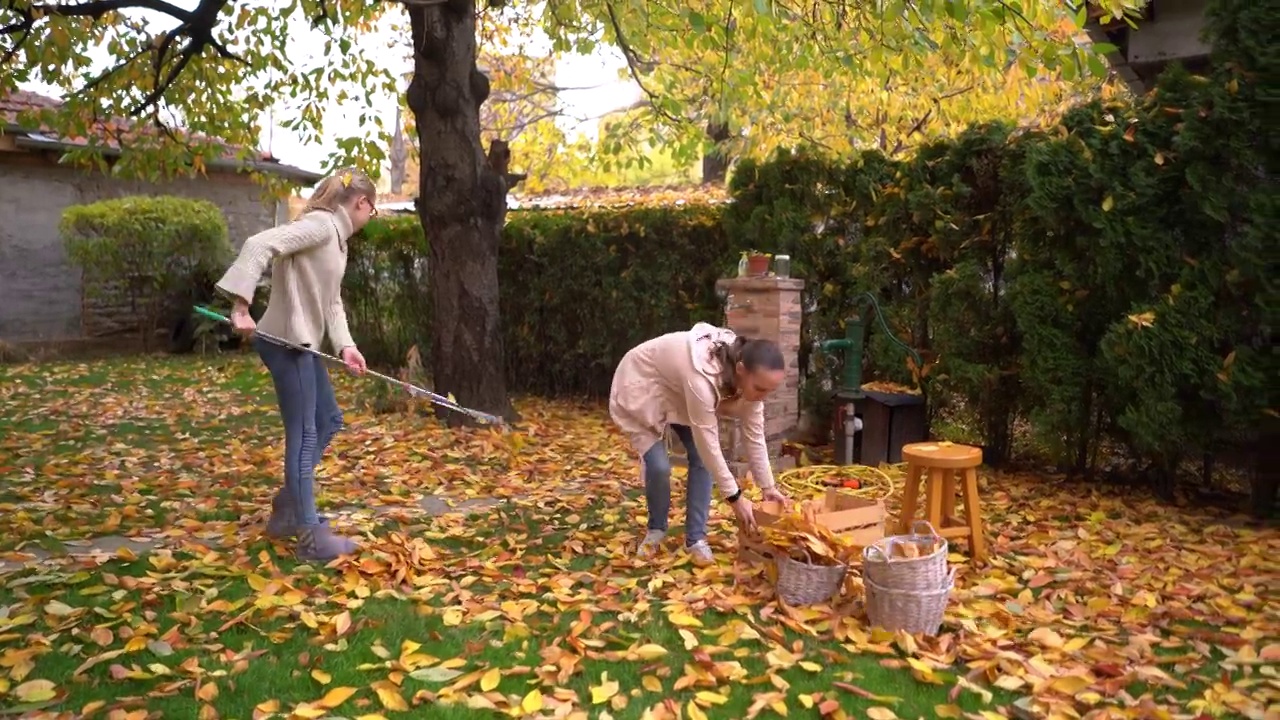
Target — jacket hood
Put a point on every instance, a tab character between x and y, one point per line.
702	338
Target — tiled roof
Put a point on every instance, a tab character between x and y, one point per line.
20	101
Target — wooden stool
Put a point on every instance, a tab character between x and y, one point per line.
942	461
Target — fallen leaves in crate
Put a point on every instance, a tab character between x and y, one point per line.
800	536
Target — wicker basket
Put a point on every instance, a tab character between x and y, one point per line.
923	573
915	611
802	583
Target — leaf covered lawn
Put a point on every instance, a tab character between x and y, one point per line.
524	602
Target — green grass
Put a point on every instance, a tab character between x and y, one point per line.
190	447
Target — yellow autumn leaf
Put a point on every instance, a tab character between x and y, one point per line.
1070	684
881	713
321	676
34	691
342	623
309	711
1107	203
491	679
711	698
532	702
390	697
651	683
694	712
605	690
335	697
810	665
684	620
948	711
1046	637
690	640
650	651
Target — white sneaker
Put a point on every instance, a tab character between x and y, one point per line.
701	554
651	544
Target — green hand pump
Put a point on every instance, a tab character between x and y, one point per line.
851	346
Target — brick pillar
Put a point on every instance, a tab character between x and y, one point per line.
769	308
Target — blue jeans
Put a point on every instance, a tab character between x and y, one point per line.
311	418
657	488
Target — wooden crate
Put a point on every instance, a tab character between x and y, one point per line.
754	549
861	521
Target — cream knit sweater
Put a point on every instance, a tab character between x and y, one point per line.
308	258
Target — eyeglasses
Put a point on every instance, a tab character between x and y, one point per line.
373	209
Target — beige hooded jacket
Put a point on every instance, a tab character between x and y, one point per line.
671	379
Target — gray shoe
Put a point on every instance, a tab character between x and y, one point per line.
651	545
283	522
701	553
319	543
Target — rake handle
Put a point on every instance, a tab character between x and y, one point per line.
412	389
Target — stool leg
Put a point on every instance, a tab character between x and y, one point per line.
910	494
948	498
937	480
973	514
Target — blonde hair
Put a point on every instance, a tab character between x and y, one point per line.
339	189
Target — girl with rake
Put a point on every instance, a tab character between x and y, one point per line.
308	258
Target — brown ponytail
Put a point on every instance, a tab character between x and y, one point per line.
756	354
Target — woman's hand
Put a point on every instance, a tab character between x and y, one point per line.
241	321
774	494
745	513
354	361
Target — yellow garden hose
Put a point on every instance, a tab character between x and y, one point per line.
873	483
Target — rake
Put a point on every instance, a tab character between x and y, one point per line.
413	390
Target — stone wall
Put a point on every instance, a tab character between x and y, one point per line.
40	291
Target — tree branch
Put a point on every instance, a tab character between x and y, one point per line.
96	9
632	59
196	26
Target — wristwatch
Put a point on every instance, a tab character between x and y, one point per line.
731	499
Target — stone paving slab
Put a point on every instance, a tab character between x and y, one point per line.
109	546
105	546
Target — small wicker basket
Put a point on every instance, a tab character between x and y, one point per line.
925	572
915	611
801	583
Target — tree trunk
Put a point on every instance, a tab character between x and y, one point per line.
715	164
462	205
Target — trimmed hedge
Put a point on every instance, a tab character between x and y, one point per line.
578	289
145	258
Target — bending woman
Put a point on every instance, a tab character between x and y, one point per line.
685	380
308	258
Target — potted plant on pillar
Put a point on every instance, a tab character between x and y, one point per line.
757	263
